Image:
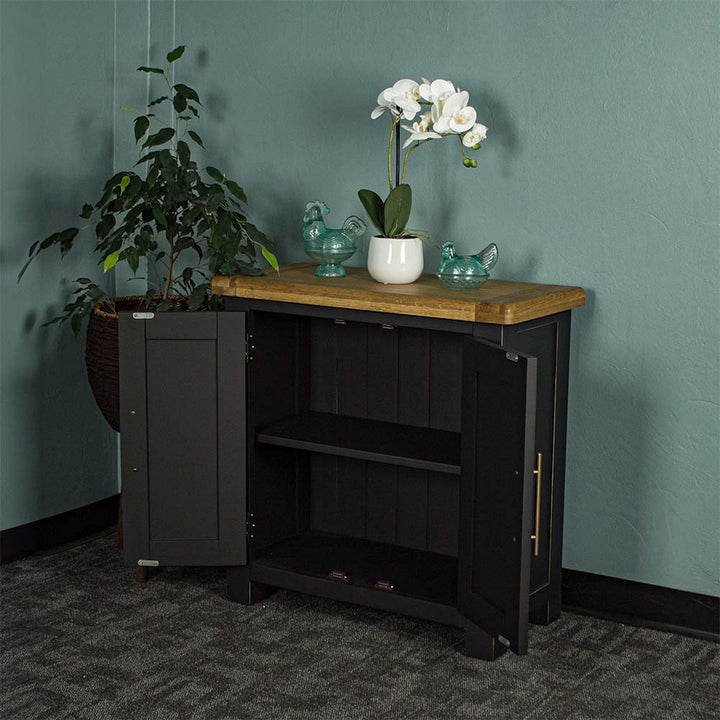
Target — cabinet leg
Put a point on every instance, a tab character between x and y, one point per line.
478	644
243	590
142	573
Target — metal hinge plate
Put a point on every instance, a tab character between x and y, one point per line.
249	347
148	563
143	316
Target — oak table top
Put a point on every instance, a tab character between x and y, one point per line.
499	302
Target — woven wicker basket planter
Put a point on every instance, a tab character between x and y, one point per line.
101	356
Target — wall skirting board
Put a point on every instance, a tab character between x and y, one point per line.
635	603
50	532
624	601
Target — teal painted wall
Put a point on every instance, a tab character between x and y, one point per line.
601	170
56	146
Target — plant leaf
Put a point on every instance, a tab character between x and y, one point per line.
196	138
179	103
158	100
160	219
111	260
159	138
396	212
270	257
187	92
183	153
124	183
86	211
215	174
175	54
236	190
373	205
141	126
145	68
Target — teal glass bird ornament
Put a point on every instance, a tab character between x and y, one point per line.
466	272
330	247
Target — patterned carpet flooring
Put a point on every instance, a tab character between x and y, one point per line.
81	639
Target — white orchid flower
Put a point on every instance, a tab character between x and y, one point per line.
436	91
401	99
475	135
455	114
419	131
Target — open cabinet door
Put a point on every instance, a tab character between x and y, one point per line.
183	438
497	490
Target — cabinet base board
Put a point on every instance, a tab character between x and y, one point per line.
641	605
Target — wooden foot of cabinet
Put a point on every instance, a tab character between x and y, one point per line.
241	589
142	573
480	645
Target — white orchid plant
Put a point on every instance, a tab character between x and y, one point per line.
447	114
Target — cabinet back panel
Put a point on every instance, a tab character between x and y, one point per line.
182	451
395	374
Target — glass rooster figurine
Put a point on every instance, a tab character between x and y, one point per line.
330	247
466	272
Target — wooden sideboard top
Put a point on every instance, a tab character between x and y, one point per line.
499	302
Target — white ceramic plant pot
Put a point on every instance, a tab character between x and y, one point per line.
395	261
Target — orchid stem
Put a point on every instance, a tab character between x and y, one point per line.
407	154
396	120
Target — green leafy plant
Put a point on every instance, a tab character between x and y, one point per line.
189	224
389	217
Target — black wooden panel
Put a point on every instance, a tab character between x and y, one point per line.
382	405
133	436
186	325
323	366
443	513
232	439
383	442
351	344
414	376
497	490
445	387
540	342
182	445
412	508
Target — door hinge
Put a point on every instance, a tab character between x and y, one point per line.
250	525
143	315
249	347
148	563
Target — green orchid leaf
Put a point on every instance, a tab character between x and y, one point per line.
141	126
373	205
397	208
111	260
175	54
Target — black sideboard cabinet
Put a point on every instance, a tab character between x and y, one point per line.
401	447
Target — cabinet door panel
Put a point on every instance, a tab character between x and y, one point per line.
183	433
497	490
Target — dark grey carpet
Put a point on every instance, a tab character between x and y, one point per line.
80	639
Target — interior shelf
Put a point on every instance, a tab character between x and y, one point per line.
416	573
374	440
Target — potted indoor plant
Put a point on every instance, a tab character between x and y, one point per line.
396	255
187	223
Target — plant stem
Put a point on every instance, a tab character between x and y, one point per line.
396	120
407	154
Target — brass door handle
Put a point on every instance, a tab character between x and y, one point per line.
538	487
